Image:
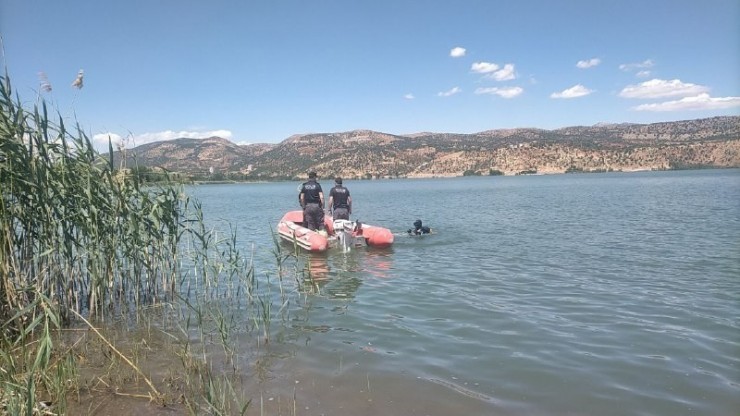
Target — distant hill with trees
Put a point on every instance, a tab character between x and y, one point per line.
363	154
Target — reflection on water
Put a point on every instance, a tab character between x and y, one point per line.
378	263
322	266
317	267
339	275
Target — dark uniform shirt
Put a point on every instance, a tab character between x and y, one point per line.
311	190
339	195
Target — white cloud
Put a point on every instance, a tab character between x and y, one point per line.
172	135
643	74
506	92
588	63
450	92
698	102
494	71
572	92
101	140
637	66
658	88
484	67
504	74
409	96
457	52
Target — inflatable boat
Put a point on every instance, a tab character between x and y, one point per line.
337	233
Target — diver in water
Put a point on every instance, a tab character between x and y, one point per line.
419	229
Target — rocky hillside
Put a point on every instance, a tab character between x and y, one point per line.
711	142
193	155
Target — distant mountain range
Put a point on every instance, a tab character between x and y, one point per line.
701	143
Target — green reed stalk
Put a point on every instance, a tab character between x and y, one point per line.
82	239
76	238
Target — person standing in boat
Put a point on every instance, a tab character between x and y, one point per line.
312	202
340	201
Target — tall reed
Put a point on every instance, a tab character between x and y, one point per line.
91	240
84	241
77	237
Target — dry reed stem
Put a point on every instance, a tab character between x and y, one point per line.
157	395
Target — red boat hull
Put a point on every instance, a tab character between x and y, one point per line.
291	229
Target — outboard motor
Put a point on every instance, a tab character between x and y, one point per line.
348	234
343	231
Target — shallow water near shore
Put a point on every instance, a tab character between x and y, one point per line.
609	294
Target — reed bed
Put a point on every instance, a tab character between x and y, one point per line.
86	248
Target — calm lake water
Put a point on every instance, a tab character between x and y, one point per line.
583	294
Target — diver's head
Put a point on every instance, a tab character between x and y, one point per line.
417	223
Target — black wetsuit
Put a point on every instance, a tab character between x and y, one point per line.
340	201
420	230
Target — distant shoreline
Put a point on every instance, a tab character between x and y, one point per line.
449	176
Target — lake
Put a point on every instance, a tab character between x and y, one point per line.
578	294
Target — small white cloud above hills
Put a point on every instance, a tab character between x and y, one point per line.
660	88
506	92
575	91
639	66
504	74
483	67
449	92
457	52
100	141
588	63
494	71
698	102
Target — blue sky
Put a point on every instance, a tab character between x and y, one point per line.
261	71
